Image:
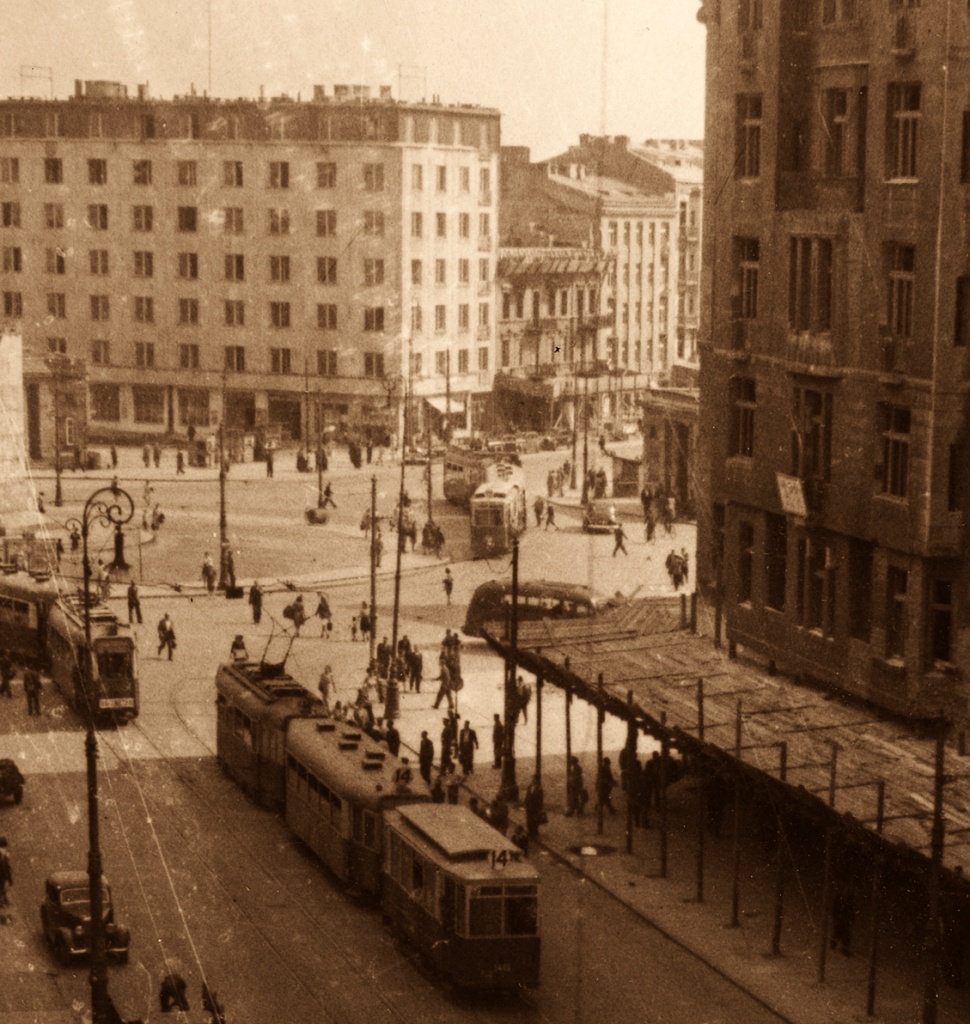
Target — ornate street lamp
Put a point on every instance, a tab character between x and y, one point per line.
392	708
110	507
60	367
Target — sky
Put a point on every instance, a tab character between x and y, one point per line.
538	61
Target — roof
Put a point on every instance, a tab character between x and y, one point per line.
551	262
612	189
71	880
275	699
665	673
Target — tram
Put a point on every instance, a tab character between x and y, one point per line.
498	511
463	895
41	626
465	469
537	599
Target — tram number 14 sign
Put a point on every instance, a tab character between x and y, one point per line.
500	858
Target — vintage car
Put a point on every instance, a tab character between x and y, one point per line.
11	781
65	916
599	514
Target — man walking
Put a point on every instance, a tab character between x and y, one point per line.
6	674
539	506
328	496
166	635
551	516
498	739
134	603
619	536
444	683
256	601
32	690
467	745
449	584
425	757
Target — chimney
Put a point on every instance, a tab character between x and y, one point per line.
319	93
143	91
385	92
78	89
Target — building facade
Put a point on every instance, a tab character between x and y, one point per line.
276	265
835	361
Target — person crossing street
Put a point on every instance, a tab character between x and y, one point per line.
619	537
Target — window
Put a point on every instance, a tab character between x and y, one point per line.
144	309
483	359
441	178
327	316
326	222
441	225
235	266
901	262
145	355
742	426
896	580
100	307
279	268
98	216
13	305
811	436
961	324
279	174
373	364
417	319
9	170
53	170
484	182
326	175
836	130
100	352
810	284
12	259
483	314
941	621
57	305
416	271
235	310
374	223
326	363
327	269
235	358
188	265
816	585
279	222
902	134
98	261
105	403
747	162
189	311
893	474
441	363
144	264
187	218
439	272
484	222
188	357
53	215
232	173
279	360
56	261
745	561
373	272
464	225
484	278
439	318
141	218
463	360
97	172
186	172
279	314
463	316
465	179
232	220
374	318
417	177
149	405
146	126
747	254
464	271
417	225
373	177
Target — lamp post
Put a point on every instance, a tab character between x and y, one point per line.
509	788
111	507
392	704
59	366
224	551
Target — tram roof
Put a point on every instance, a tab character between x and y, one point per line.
28	587
351	763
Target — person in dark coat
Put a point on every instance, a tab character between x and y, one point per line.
619	537
576	795
166	635
425	756
256	601
269	464
32	688
449	585
498	815
415	668
6	674
534	807
134	603
444	683
447	746
171	995
498	739
467	745
605	784
393	739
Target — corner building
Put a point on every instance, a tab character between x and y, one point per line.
280	266
834	363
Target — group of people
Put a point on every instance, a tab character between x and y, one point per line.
678	567
658	509
32	684
557	479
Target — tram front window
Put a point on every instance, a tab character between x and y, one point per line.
521	912
112	663
485	917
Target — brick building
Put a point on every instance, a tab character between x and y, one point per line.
835	352
274	264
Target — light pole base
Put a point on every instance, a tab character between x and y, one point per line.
392	706
509	788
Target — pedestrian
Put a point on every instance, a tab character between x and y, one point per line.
366	623
523	693
425	756
134	603
148	494
210	1002
520	837
166	635
449	584
40	503
59	551
171	995
393	739
447	746
550	483
237	649
256	601
6	674
269	463
444	687
75	540
383	653
6	878
551	516
576	795
32	688
114	457
498	814
179	462
327	688
498	739
535	813
157	456
605	784
209	573
618	537
296	613
467	745
378	542
324	615
539	506
104	583
684	570
328	496
146	456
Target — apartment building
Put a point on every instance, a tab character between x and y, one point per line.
277	265
834	362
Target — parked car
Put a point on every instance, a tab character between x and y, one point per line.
65	916
528	442
11	781
599	515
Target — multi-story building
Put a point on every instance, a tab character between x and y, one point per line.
275	265
835	360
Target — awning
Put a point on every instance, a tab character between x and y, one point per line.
441	405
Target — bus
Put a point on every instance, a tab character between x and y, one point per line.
538	599
466	469
498	511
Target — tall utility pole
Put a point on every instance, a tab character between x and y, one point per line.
319	454
373	565
223	527
509	788
448	395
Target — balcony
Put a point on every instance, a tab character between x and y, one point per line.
541	325
814	349
749	44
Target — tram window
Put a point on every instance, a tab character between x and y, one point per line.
521	912
485	917
395	855
112	663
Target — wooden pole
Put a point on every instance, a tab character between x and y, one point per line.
631	760
826	901
937	836
780	859
700	710
736	829
875	902
539	723
599	754
664	754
